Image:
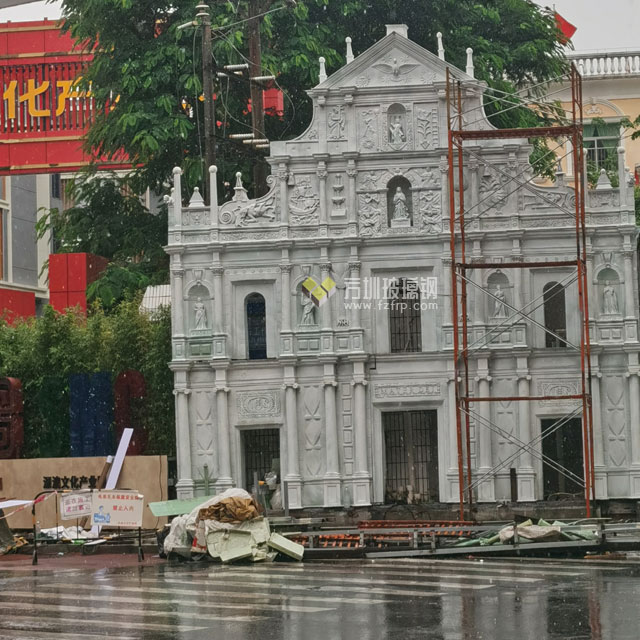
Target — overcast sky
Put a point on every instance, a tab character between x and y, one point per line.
602	24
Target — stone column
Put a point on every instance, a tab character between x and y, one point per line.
354	274
292	475
486	490
453	477
224	480
185	485
629	301
352	209
444	190
332	476
286	335
177	299
219	336
321	172
326	327
526	473
634	415
283	177
599	437
362	476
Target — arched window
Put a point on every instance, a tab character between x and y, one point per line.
403	297
256	327
555	315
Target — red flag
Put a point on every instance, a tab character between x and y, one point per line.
565	27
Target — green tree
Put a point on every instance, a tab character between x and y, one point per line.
146	80
44	352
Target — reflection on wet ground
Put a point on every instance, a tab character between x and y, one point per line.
434	599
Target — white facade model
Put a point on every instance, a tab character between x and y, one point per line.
348	393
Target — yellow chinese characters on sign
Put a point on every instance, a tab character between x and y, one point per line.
40	98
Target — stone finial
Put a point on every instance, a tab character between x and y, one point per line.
349	50
240	191
470	68
400	29
440	45
603	181
323	70
196	202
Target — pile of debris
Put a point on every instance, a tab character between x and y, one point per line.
228	527
527	531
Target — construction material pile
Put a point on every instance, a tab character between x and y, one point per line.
527	531
228	527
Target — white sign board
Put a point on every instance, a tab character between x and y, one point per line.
115	508
75	505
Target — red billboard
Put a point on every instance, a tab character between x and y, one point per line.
43	114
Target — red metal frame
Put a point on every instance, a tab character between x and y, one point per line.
460	266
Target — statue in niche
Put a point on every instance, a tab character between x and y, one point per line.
500	306
396	132
308	317
199	315
609	299
336	123
400	211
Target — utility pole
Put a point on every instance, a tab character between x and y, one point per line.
257	7
207	90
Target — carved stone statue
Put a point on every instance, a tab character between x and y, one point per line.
200	315
500	306
308	311
400	211
336	123
609	300
396	133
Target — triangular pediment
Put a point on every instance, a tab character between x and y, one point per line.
394	61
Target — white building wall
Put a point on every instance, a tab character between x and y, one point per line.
326	385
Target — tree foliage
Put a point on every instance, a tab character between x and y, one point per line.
146	80
44	352
155	69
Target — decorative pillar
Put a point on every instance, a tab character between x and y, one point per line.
526	472
600	471
629	298
219	336
486	489
354	274
286	335
634	422
362	477
452	441
177	295
292	475
185	485
326	328
283	177
352	208
321	172
332	476
224	480
444	190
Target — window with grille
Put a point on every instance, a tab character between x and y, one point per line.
411	456
261	454
256	327
403	297
555	315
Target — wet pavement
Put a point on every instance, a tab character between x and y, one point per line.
365	600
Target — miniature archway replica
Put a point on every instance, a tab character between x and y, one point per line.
361	199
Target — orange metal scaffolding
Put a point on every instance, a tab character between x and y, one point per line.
461	265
